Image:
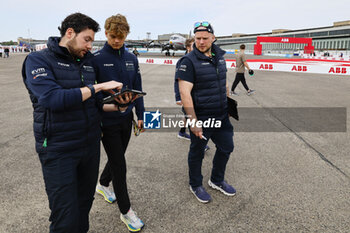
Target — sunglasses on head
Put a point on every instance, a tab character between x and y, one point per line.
203	24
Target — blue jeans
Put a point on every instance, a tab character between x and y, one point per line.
223	139
70	181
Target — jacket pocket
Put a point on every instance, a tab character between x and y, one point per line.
46	126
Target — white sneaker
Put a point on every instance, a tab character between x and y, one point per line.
234	93
106	192
132	221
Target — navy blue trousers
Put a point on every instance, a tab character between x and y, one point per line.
70	181
223	140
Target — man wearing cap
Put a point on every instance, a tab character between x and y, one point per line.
204	90
241	64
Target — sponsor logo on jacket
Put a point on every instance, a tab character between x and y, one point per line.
63	64
129	66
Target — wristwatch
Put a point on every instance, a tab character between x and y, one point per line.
92	89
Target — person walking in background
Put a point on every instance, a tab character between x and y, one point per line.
241	64
6	52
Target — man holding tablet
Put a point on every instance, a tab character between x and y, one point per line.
114	62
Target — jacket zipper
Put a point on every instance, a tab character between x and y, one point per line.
84	105
218	79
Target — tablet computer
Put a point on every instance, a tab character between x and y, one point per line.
135	95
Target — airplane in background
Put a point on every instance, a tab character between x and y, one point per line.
176	42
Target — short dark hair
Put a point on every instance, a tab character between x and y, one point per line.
242	46
79	22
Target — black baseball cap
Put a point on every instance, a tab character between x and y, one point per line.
206	27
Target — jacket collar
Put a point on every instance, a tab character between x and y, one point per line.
53	45
109	49
214	49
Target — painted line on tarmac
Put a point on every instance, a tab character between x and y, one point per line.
322	156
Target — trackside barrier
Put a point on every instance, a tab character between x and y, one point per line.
316	66
331	57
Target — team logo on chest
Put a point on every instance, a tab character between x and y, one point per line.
129	66
63	64
108	65
88	68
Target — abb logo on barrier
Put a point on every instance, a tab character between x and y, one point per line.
337	70
150	61
168	62
266	67
299	68
285	40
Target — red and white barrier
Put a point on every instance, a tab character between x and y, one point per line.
315	66
158	61
39	47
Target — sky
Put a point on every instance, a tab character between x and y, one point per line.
39	19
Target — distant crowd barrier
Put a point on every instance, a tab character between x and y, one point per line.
331	57
316	66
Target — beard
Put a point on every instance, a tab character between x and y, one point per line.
205	50
74	50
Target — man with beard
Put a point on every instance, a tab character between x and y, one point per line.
204	90
61	84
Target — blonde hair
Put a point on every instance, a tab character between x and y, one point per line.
118	25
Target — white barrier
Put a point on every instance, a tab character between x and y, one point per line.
286	65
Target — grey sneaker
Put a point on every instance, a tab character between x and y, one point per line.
106	192
250	92
131	220
234	93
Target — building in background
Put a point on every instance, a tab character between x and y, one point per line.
336	37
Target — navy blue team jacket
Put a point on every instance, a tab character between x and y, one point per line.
121	66
62	122
209	87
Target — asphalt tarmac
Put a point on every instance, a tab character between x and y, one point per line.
286	181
